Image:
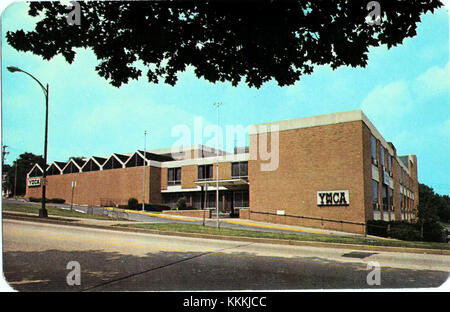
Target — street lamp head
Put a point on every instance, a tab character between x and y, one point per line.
13	69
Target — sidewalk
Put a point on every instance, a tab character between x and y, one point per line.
66	220
246	223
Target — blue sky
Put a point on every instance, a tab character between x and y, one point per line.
404	92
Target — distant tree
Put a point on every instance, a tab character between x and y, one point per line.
430	205
443	208
427	209
6	185
24	164
222	40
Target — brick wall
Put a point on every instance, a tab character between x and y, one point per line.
98	187
188	176
312	159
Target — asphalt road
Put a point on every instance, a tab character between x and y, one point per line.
36	255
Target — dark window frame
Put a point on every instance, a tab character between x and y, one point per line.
375	197
174	176
205	172
373	149
242	169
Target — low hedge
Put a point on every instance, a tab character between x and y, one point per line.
432	232
47	200
133	204
147	207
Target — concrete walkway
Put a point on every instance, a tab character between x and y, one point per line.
244	224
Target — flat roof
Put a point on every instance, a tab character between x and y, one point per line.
324	120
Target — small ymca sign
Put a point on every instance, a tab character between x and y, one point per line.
34	182
333	198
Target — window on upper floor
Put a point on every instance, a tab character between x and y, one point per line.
239	169
173	176
373	149
205	172
382	155
374	192
389	163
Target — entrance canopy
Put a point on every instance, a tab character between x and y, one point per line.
230	184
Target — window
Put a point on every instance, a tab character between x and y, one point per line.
373	147
240	199
389	164
239	169
382	155
375	195
173	176
205	172
135	161
399	174
35	172
384	197
52	170
391	200
90	166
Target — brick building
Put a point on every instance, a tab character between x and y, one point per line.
332	171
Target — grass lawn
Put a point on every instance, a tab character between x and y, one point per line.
194	228
52	211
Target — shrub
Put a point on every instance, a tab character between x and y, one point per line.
181	203
147	207
404	231
156	207
56	200
433	232
133	204
377	228
47	200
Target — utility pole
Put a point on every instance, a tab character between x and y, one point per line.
217	105
4	183
143	170
74	184
15	179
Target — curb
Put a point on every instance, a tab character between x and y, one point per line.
71	222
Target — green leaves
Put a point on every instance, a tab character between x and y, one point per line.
222	40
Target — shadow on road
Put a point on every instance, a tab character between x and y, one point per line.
111	271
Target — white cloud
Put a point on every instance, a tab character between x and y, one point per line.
434	81
396	99
407	112
391	100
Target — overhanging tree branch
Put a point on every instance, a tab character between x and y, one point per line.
222	40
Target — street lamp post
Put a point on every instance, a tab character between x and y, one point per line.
43	211
217	105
